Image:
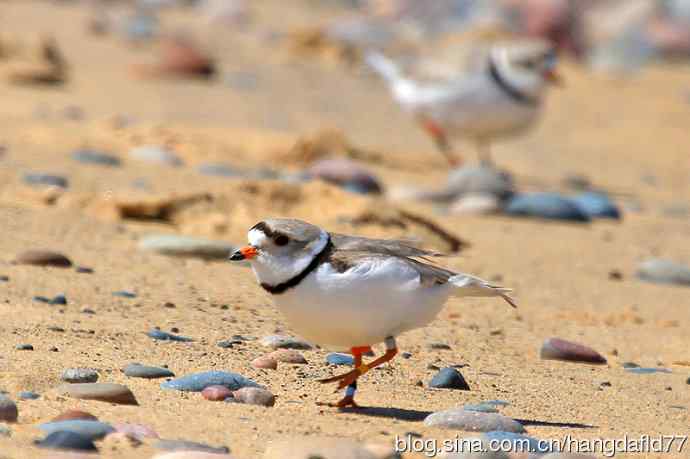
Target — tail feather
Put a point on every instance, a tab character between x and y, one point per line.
473	286
383	66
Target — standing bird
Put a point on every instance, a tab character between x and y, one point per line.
351	292
501	98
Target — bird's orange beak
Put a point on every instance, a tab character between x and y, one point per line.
245	253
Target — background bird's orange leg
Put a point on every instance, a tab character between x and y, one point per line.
440	139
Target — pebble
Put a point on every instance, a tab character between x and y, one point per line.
5	431
449	378
184	445
336	358
156	154
104	392
346	174
688	380
8	409
140	26
285	342
134	370
43	258
84	270
197	382
550	206
74	414
216	393
646	370
254	396
481	407
67	440
597	205
185	246
475	204
46	180
138	431
124	294
265	362
93	430
482	180
59	299
4	278
497	402
560	349
28	395
288	356
219	170
473	421
24	347
79	375
96	157
165	336
313	447
664	271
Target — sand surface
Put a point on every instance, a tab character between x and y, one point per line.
629	136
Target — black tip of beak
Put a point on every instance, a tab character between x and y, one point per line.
236	256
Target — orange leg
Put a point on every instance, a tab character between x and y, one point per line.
349	379
440	139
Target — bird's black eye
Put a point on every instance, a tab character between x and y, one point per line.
281	239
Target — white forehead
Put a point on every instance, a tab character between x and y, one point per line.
256	237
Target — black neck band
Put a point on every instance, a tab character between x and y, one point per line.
294	281
514	93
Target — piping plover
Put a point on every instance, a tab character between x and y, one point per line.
502	98
352	292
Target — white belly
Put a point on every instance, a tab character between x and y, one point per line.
362	306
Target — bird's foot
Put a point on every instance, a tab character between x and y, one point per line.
348	378
346	402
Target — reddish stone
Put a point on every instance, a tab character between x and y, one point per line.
74	414
216	393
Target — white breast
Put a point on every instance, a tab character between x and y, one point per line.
361	306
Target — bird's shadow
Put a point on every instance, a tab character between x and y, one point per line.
403	414
400	414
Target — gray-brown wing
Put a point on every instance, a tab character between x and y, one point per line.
392	247
342	260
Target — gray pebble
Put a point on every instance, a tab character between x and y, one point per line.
165	336
473	421
185	246
664	272
134	370
79	375
93	430
24	347
184	445
254	396
449	378
285	342
28	395
67	441
125	294
196	382
155	154
45	180
96	157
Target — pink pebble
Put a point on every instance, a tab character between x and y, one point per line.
265	362
138	431
216	393
287	356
